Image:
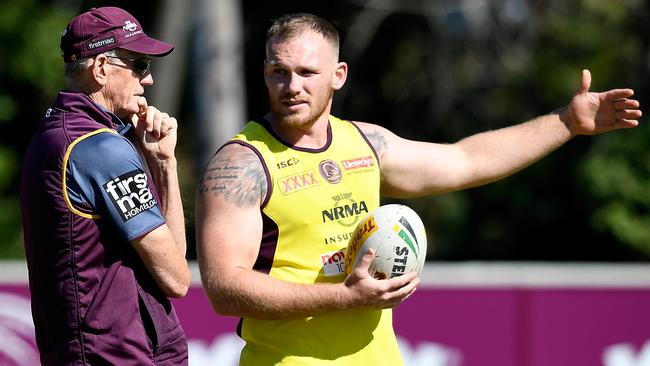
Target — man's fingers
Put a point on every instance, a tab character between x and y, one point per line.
625	103
171	125
155	122
629	123
585	83
150	118
403	290
142	104
405	280
142	112
404	294
616	94
628	114
364	262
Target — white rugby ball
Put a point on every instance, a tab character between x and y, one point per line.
397	235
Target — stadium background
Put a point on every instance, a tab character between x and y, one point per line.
429	70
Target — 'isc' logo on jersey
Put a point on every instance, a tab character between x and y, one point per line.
130	194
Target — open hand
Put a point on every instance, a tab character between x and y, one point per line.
592	113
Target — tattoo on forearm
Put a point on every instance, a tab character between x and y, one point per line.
238	178
378	141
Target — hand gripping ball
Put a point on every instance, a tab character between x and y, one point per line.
397	235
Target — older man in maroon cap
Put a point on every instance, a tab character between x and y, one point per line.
101	206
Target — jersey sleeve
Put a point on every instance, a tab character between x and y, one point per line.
106	178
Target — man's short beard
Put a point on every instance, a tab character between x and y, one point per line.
293	120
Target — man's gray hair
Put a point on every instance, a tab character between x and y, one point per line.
72	70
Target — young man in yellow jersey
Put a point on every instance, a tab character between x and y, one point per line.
278	202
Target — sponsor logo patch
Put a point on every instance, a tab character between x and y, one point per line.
130	194
337	238
101	43
330	171
133	33
363	162
298	182
364	230
346	210
333	263
129	26
287	163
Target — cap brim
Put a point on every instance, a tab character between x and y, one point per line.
149	46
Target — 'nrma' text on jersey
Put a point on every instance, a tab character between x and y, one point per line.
339	213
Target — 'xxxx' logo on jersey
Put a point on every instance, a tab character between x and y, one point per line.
297	182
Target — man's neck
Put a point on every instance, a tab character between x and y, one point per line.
99	99
311	135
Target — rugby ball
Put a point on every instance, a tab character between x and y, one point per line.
397	235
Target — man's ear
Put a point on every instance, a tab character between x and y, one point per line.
99	69
340	75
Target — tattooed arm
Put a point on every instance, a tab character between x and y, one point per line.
411	168
414	168
229	231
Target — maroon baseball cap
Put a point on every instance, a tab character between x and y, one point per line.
103	29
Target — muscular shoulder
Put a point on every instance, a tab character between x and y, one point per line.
378	136
235	174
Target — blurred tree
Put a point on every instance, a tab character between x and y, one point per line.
439	71
617	172
428	70
31	72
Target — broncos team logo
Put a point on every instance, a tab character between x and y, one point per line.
330	171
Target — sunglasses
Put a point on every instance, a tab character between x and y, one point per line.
140	66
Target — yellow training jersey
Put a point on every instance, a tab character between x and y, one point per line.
315	199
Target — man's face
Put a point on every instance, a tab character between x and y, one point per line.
125	86
301	76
